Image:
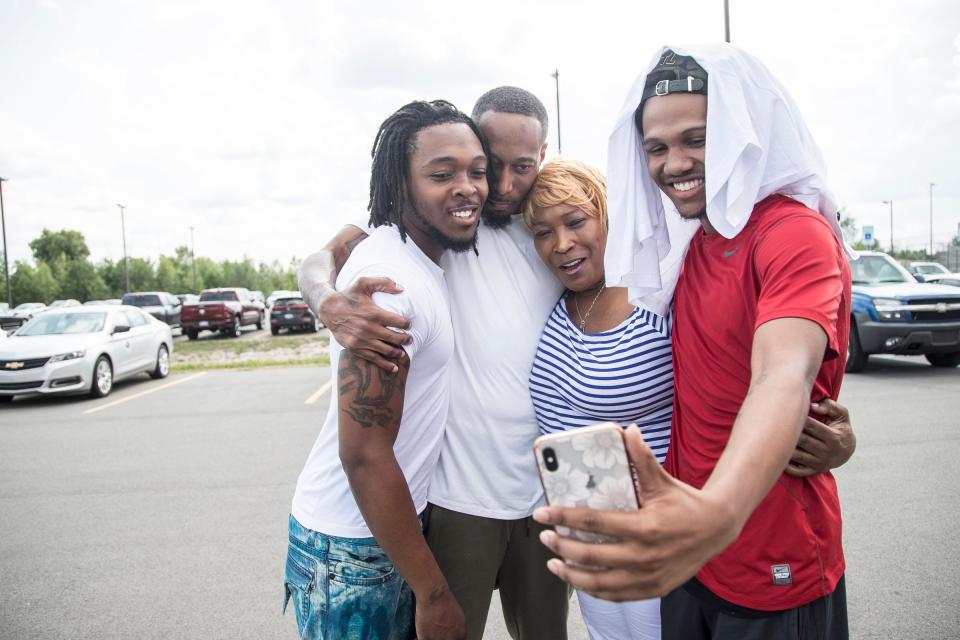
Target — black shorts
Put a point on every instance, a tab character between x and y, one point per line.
685	616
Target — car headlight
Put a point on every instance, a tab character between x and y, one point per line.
73	355
889	309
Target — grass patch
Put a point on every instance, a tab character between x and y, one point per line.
234	346
247	364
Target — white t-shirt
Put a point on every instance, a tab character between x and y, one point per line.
323	500
499	302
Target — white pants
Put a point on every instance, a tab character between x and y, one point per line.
637	620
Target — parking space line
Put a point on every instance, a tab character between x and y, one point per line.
147	392
319	392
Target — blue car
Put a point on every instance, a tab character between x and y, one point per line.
892	313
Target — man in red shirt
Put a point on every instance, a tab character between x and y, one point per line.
738	548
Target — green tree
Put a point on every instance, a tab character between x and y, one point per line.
65	244
142	276
82	282
33	284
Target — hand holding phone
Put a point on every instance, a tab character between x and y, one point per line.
586	467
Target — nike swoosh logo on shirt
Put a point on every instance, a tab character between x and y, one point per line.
727	254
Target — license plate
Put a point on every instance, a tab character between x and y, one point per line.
288	315
204	323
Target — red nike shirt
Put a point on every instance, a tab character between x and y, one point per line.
786	263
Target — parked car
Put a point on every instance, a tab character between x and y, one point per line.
163	306
69	302
952	279
292	313
83	350
893	313
920	268
226	310
282	293
20	314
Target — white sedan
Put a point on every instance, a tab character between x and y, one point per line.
83	350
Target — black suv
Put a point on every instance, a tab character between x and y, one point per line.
161	305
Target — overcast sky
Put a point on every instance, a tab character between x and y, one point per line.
253	121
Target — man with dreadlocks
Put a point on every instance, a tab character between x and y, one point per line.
357	559
485	487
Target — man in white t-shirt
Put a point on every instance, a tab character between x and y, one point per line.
485	487
357	556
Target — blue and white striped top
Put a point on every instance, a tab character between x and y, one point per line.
623	375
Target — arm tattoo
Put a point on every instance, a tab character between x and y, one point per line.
367	392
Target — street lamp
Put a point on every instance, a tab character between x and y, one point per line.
890	202
193	258
6	269
556	80
123	230
726	19
932	185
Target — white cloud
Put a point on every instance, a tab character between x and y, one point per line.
253	122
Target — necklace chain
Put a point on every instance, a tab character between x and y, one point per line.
584	316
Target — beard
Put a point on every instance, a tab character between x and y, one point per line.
495	219
453	244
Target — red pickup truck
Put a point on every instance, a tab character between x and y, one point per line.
225	310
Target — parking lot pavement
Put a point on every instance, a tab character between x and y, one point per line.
161	517
164	515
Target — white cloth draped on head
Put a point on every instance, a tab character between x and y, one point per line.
757	145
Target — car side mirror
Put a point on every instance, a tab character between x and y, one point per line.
919	277
121	328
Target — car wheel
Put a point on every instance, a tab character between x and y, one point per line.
943	359
856	358
192	335
102	382
259	322
162	370
235	331
275	330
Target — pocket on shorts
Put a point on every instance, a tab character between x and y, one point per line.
361	566
299	578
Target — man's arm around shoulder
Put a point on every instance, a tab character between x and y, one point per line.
352	317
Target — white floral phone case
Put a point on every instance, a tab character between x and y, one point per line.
586	467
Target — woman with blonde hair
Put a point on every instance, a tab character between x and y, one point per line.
599	358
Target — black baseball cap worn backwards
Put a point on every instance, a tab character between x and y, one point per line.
674	73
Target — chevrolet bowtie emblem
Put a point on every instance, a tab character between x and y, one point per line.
14	365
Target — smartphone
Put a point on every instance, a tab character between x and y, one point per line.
586	467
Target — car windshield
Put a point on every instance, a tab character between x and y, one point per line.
878	270
218	296
50	324
927	269
286	302
142	300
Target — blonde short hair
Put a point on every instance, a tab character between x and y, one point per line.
569	182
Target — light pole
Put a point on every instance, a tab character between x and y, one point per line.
726	19
193	258
932	185
123	230
556	80
6	268
890	202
